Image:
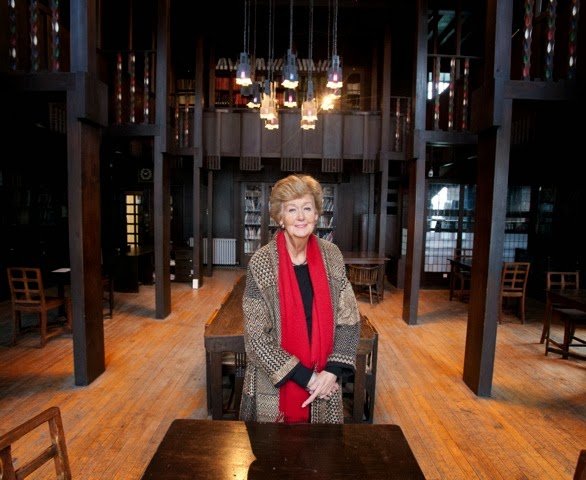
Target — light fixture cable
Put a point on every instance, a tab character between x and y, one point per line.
309	107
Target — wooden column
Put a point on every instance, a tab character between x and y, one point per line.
492	121
86	114
197	278
385	151
416	219
162	189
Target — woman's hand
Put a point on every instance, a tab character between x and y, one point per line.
321	385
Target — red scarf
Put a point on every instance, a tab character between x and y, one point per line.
294	335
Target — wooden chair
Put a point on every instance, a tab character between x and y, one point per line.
570	318
561	280
57	450
27	295
362	277
514	278
460	278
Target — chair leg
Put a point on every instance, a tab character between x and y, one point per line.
567	339
69	313
545	327
16	330
43	320
370	294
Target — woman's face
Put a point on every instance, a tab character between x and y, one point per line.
299	216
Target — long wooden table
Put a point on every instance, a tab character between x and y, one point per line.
225	333
234	450
369	258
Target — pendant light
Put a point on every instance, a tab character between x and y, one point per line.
290	75
254	101
254	89
290	98
335	71
243	76
329	100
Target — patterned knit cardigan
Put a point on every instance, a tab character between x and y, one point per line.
267	362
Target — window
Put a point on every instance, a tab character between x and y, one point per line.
444	82
134	213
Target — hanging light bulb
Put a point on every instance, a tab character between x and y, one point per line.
272	123
328	101
267	110
335	71
254	101
243	76
243	71
309	106
290	99
335	74
290	75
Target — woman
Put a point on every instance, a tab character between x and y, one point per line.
301	319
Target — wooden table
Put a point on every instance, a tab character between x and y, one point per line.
234	450
369	258
225	333
569	298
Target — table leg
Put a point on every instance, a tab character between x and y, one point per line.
546	319
567	339
216	385
208	383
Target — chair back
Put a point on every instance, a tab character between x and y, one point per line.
26	287
27	295
363	275
562	280
514	279
57	450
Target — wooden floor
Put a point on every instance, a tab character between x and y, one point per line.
532	427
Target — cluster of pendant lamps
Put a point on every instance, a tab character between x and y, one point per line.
266	100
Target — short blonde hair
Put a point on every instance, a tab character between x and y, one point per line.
291	188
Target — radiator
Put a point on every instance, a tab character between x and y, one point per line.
223	251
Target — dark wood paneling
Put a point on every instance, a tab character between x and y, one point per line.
251	133
289	123
230	135
354	136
